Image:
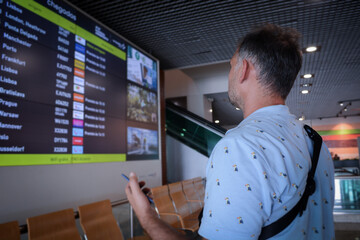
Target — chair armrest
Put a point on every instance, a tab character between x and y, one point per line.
174	214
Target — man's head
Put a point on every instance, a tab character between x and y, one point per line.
275	56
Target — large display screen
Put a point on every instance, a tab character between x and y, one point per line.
72	91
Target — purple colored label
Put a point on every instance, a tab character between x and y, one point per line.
78	123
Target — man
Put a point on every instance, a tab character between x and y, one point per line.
270	150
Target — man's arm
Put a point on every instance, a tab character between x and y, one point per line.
155	227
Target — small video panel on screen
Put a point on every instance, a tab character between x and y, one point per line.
141	69
141	104
142	143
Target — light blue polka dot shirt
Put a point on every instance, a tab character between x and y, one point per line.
257	173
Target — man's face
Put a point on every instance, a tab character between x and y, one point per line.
234	95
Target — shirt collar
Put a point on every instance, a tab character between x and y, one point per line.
264	112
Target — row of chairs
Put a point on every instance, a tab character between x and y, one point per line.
96	220
180	203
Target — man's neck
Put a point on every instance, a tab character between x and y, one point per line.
251	106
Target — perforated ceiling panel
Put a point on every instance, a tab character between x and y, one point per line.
190	33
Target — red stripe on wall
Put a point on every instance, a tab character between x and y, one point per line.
340	137
341	143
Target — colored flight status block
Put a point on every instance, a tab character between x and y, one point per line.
77	149
78	123
78	132
78	141
79	89
79	72
78	114
78	80
79	64
78	97
79	48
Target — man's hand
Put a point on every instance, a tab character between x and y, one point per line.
155	227
137	198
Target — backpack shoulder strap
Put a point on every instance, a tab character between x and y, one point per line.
278	226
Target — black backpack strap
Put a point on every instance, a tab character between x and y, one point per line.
278	226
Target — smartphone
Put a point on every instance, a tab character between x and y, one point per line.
127	179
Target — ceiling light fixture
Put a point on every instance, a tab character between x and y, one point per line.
210	110
302	118
345	104
217	121
311	49
306	85
237	109
308	75
305	91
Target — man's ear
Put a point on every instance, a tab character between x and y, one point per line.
243	71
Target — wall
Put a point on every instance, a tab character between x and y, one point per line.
340	135
183	162
33	190
194	83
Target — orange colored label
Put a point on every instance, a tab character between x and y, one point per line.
78	97
79	73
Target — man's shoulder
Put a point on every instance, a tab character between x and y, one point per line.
249	131
240	139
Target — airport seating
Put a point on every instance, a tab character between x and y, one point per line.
55	226
98	221
188	210
9	231
165	208
199	187
190	193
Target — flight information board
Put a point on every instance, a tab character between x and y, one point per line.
72	91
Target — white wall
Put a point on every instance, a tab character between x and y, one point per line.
183	162
198	80
27	191
194	83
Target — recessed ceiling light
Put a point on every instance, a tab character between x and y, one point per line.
210	110
217	121
341	104
311	49
308	75
302	118
306	85
237	109
305	91
345	109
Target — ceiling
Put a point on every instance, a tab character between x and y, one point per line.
183	34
